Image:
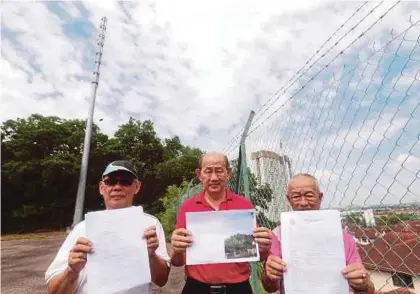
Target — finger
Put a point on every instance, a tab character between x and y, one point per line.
262	229
153	245
78	255
355	275
152	240
276	266
182	232
263	241
78	261
84	241
275	273
262	234
149	233
351	268
278	269
181	245
276	261
150	228
358	282
187	239
274	276
82	248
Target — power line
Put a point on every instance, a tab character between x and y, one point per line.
319	49
323	68
237	136
284	88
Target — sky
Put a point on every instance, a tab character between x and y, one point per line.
353	117
197	69
224	223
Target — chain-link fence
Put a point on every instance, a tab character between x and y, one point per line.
350	117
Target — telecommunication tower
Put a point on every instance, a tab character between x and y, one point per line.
78	211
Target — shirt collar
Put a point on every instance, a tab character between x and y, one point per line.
202	200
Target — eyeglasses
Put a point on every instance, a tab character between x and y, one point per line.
123	181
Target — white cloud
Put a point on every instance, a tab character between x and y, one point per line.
160	58
343	130
198	68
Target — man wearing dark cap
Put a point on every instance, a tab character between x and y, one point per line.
118	187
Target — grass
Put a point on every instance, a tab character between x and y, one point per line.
32	236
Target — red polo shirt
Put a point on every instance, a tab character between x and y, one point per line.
218	273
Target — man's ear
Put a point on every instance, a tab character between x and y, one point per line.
138	186
101	191
229	172
101	187
198	173
321	195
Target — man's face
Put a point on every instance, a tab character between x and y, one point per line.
213	173
303	194
118	189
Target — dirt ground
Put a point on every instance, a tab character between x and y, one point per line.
23	265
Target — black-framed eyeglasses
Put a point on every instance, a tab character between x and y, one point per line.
123	181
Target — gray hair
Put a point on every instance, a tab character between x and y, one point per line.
307	176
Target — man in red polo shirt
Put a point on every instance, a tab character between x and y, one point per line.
230	278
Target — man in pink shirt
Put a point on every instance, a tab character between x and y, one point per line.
303	193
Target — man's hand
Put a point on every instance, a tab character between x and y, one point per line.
274	268
78	255
263	238
151	239
180	240
357	276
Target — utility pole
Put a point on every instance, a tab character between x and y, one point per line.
80	200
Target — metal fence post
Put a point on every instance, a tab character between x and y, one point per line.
243	173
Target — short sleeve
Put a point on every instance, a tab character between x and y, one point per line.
249	204
275	243
352	253
180	219
161	251
60	262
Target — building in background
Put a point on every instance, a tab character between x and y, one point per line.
273	169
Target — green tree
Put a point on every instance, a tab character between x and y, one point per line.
169	202
238	242
41	157
40	163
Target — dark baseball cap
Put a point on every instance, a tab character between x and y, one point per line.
120	165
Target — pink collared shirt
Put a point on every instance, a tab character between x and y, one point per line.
350	249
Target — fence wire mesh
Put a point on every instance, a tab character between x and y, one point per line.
351	118
354	124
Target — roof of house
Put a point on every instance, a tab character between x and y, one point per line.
407	226
359	232
394	252
396	291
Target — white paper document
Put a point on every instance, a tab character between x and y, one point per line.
313	249
120	262
222	237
